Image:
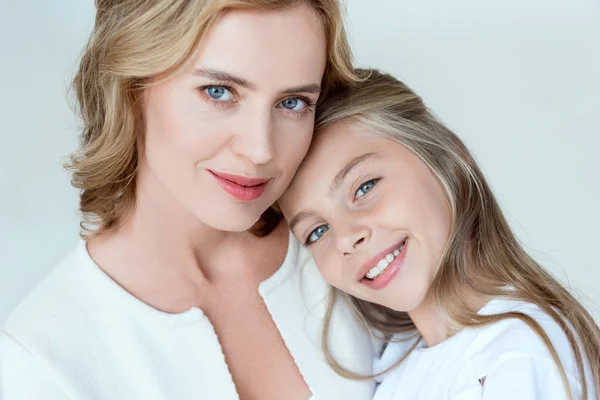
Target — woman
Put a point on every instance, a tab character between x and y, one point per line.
398	216
196	115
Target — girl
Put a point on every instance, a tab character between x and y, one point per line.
196	115
398	216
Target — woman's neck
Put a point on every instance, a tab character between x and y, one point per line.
164	255
169	235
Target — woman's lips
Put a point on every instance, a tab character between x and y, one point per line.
241	187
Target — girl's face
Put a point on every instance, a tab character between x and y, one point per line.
373	215
225	134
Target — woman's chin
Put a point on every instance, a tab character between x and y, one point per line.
230	222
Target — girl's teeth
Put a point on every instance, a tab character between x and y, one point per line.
383	263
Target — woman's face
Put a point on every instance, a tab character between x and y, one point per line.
225	134
373	215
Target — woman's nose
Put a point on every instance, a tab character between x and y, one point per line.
254	139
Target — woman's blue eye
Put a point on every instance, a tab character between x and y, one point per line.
317	234
364	188
219	93
294	103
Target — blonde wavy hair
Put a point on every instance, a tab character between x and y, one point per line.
132	42
483	257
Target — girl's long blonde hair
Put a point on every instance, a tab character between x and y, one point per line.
483	256
132	42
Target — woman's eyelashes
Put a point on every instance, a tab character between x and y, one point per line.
221	95
298	105
225	96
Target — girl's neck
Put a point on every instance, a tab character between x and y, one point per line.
433	324
430	323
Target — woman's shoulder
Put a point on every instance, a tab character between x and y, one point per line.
55	303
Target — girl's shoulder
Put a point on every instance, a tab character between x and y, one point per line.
509	358
516	335
516	350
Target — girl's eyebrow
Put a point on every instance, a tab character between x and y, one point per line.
346	169
301	216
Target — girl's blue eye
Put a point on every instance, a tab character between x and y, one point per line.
364	188
294	103
317	234
219	93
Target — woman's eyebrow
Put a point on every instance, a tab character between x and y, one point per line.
223	76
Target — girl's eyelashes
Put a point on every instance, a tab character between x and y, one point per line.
320	230
316	234
364	188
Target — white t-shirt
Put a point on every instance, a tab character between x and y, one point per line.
79	335
506	360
